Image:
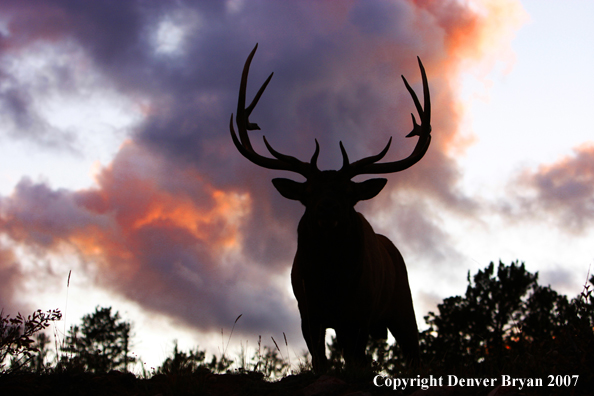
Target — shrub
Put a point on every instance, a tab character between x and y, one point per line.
16	334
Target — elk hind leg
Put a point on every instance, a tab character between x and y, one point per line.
404	329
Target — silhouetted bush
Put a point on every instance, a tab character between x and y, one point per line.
182	362
266	361
16	335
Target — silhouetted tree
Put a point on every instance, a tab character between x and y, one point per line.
547	313
584	305
506	315
100	344
182	362
477	324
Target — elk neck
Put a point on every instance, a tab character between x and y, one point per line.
330	234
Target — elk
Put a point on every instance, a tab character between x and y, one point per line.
344	275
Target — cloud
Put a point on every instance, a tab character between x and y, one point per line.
11	276
168	241
20	104
180	222
561	192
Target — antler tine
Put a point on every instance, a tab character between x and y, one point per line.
425	110
243	113
252	105
363	161
426	96
243	144
368	165
292	160
345	157
314	157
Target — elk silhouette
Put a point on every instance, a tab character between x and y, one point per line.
344	275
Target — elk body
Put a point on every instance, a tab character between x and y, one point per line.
344	275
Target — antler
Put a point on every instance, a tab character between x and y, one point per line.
243	144
368	165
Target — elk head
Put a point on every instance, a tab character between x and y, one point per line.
323	189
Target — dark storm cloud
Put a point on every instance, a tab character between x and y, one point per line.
180	222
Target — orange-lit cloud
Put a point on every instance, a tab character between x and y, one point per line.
474	29
144	237
467	37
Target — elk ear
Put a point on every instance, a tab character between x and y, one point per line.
289	189
369	188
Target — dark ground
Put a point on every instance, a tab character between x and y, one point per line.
203	382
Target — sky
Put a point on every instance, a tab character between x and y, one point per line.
116	162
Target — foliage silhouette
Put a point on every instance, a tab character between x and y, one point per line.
16	335
265	361
100	344
38	362
507	322
477	325
270	363
182	362
185	363
519	328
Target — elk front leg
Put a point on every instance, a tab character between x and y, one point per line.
352	339
315	338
